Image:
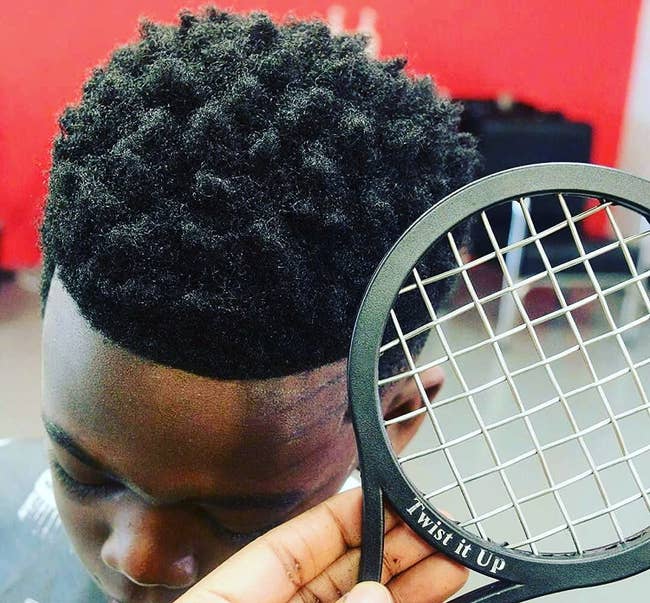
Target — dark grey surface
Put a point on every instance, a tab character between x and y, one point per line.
37	563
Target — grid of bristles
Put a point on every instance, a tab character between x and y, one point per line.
569	471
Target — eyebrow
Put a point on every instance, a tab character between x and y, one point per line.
280	501
59	436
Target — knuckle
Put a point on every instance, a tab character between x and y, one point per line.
290	562
306	595
391	566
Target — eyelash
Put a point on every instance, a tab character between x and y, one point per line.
244	536
80	490
240	537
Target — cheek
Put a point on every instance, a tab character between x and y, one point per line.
85	525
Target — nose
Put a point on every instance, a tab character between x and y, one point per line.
152	546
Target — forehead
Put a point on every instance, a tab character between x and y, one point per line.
106	396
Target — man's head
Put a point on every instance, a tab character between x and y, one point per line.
218	201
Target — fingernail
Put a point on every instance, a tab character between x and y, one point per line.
368	592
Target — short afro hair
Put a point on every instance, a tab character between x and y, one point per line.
223	191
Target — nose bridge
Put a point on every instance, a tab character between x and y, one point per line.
153	546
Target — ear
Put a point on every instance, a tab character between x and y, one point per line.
405	398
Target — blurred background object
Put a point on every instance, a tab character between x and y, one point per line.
512	134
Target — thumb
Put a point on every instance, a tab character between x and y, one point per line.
368	592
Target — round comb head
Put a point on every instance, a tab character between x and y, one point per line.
539	441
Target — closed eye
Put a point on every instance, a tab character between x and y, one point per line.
83	490
238	536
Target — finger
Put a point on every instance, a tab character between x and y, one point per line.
402	549
367	592
433	580
274	567
336	580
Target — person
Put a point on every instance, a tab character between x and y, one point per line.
218	201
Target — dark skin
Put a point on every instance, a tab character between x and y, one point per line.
161	475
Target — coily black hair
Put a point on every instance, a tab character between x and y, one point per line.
226	186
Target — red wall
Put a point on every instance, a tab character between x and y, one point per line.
573	56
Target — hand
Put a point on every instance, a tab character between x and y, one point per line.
315	558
